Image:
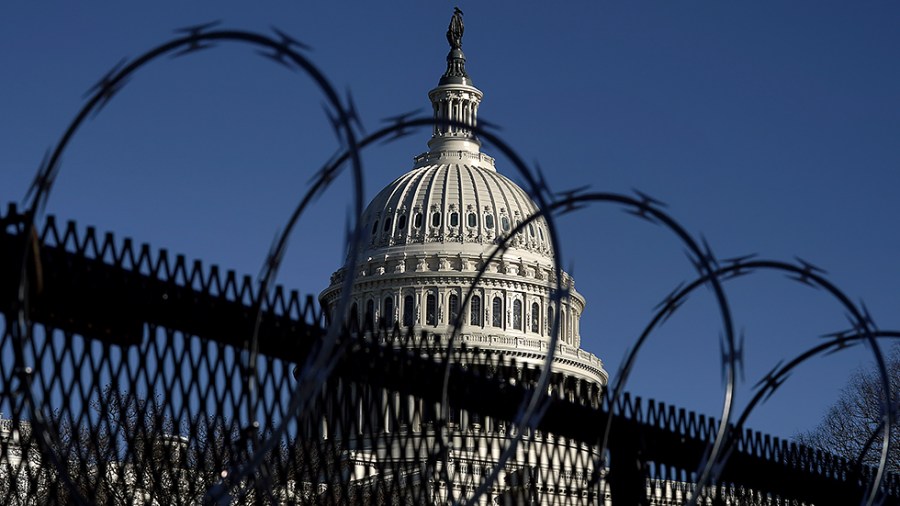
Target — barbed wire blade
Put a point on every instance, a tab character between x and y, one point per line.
106	79
352	114
648	200
193	48
197	29
290	42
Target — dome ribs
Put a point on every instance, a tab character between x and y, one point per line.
445	205
482	229
428	201
522	206
392	208
477	205
459	199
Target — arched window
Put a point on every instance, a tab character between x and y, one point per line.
375	227
454	219
497	312
370	314
535	317
401	222
563	327
387	224
431	309
473	219
517	314
453	306
475	318
436	219
504	222
489	221
354	316
417	220
531	229
550	316
387	315
409	317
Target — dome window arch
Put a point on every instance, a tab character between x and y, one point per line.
472	220
388	314
504	222
531	229
475	309
550	316
436	219
563	327
417	220
370	314
453	306
454	219
497	312
387	224
517	314
354	316
375	227
541	232
535	317
431	309
489	221
409	311
401	221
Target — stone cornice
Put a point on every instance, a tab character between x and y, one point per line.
530	350
449	270
459	156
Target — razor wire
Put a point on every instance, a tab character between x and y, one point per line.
315	372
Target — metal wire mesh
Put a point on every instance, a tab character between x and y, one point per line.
133	384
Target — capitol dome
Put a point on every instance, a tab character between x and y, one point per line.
454	201
428	234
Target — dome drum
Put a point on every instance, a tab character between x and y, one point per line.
501	309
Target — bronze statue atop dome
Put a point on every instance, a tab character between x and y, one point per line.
456	29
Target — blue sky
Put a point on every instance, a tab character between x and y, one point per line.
767	127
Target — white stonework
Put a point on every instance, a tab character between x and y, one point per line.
427	235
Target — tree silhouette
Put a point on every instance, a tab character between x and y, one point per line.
852	427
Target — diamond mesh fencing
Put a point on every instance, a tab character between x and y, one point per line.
134	382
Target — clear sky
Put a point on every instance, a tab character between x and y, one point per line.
769	127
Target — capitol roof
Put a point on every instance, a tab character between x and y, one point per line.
454	202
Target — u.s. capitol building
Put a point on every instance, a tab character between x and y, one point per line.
427	236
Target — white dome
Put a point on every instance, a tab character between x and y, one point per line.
423	261
454	203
